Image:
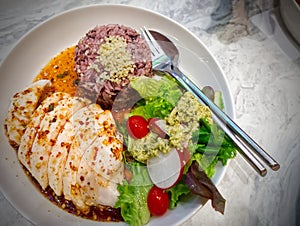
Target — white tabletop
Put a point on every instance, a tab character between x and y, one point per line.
262	66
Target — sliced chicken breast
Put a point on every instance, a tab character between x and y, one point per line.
101	167
105	154
82	140
95	189
74	147
22	106
24	151
60	150
45	139
106	192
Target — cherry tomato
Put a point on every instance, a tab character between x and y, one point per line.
158	201
137	126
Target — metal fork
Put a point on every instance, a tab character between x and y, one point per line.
249	149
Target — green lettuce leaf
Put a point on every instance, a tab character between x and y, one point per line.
153	107
212	146
162	86
218	100
176	192
160	94
133	196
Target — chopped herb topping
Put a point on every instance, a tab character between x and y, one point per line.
62	75
51	107
76	82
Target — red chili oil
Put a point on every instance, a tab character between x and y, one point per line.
103	214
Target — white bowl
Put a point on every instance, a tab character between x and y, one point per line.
39	45
290	13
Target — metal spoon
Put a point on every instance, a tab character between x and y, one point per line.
167	45
171	50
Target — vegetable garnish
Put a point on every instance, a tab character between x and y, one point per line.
156	125
137	126
212	146
158	201
63	74
200	184
133	196
173	145
165	170
177	192
51	107
160	94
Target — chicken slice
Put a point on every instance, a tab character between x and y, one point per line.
101	167
105	154
82	140
106	192
24	151
95	189
60	150
46	137
22	106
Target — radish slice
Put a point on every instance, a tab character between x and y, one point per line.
165	170
185	155
158	126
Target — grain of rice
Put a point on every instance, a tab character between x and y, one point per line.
107	58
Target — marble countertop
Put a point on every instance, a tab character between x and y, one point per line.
262	65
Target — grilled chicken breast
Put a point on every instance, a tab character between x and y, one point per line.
24	151
60	150
83	139
95	189
22	106
101	166
69	144
50	126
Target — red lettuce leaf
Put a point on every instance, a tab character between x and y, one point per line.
200	184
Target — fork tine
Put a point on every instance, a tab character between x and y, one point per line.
156	49
159	57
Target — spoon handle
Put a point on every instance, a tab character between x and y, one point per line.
241	139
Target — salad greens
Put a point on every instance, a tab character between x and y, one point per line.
208	147
212	146
200	184
133	196
176	192
160	94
